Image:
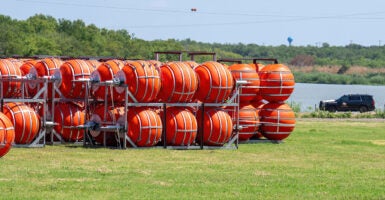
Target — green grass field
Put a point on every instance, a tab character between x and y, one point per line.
320	160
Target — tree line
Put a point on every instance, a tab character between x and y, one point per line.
45	35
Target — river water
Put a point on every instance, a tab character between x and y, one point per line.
308	95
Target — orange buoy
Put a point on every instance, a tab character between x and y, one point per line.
25	120
26	66
181	126
278	121
144	126
142	79
7	134
68	116
215	82
179	83
277	83
10	69
103	117
217	126
105	72
43	68
248	120
245	72
73	76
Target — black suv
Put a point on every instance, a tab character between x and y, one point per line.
350	102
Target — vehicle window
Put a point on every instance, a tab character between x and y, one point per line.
354	98
344	98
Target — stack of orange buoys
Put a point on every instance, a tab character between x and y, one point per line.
248	92
7	134
277	118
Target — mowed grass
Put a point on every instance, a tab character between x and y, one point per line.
320	160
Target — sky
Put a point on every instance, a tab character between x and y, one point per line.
268	22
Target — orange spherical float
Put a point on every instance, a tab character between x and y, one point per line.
181	126
144	126
179	82
248	118
142	79
104	117
215	82
105	72
26	66
68	116
248	73
43	68
278	121
25	120
10	69
7	134
216	125
277	83
73	76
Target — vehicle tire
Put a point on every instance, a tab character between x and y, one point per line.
332	109
363	109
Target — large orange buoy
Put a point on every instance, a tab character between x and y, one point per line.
144	126
181	126
104	117
26	66
215	82
10	68
278	121
25	120
142	79
105	72
277	83
43	68
7	134
179	82
68	116
73	76
217	126
248	73
248	120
